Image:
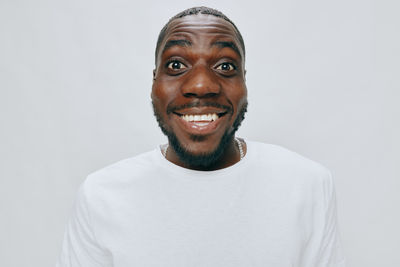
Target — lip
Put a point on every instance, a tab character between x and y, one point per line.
201	110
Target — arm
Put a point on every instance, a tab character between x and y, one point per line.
330	253
80	247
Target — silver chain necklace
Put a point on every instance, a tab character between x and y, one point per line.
238	142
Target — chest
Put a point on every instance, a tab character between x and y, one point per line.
236	225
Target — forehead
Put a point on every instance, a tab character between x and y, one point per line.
201	28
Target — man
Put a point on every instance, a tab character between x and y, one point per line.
206	198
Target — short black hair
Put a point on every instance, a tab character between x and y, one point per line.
195	11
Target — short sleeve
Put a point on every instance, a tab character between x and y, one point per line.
80	247
330	252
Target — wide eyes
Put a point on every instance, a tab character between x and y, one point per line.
226	67
176	67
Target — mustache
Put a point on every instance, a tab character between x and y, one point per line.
197	104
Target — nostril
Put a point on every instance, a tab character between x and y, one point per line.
206	95
189	94
211	94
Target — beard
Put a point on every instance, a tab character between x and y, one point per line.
206	160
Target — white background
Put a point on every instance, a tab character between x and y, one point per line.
322	76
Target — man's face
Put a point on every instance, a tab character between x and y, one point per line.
199	93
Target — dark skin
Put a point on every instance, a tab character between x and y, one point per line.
200	70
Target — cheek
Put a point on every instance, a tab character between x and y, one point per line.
162	96
164	90
243	96
159	96
237	93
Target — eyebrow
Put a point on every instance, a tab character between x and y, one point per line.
180	42
232	45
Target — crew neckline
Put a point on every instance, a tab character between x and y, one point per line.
166	164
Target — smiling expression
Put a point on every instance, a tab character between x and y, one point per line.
199	93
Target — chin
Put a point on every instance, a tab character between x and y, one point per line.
200	145
196	157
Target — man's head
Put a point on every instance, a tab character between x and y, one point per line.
199	93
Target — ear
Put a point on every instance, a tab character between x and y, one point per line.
154	74
245	71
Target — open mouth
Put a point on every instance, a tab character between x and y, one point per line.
201	123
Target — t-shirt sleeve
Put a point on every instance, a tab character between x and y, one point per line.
330	252
80	247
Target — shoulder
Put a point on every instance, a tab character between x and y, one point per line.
277	159
122	174
278	155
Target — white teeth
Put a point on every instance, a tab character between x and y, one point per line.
203	117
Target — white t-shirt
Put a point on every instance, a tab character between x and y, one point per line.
273	208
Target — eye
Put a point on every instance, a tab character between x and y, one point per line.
175	65
226	67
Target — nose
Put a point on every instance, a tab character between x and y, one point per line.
201	82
